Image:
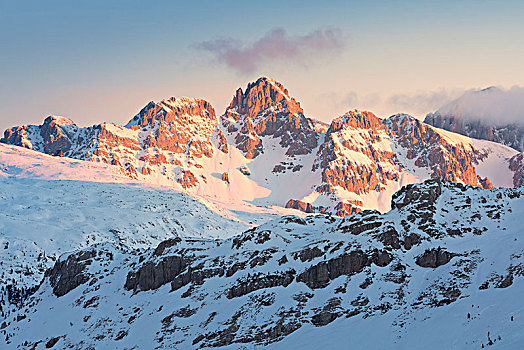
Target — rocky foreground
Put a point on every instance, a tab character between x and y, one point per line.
444	268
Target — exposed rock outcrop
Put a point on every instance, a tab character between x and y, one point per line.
260	281
516	164
266	109
345	208
68	274
434	258
320	274
153	275
421	197
187	179
300	205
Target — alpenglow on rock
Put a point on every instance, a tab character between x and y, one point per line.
264	151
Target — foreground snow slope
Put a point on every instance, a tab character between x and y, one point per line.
53	205
24	163
443	269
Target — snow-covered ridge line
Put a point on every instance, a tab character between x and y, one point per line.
492	114
263	152
439	268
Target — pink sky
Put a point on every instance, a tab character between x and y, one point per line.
103	61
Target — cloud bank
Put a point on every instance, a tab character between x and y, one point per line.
384	105
275	45
422	102
495	105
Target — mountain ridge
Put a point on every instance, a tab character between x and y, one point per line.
492	114
409	272
264	151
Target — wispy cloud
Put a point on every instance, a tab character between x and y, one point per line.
422	102
417	104
275	45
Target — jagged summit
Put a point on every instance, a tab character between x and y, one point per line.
58	120
356	119
169	110
265	151
266	109
261	95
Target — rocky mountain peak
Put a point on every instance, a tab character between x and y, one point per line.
261	95
52	137
356	119
266	109
171	110
354	166
58	120
405	124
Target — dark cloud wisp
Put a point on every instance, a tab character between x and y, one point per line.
275	45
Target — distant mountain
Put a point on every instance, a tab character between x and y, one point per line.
491	114
442	269
264	152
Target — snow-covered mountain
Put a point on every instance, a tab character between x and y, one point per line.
264	152
171	231
443	269
492	114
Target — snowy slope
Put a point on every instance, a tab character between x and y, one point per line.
493	163
53	205
443	269
24	163
493	114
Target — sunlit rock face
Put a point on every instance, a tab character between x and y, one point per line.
355	155
266	109
173	133
430	149
179	124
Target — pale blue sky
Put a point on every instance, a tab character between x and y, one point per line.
97	61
